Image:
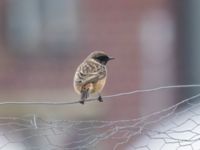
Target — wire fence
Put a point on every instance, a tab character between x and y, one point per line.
170	128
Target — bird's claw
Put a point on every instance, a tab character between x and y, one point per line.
100	98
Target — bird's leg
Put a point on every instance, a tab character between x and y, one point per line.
100	98
82	98
84	95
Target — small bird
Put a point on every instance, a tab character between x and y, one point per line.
91	74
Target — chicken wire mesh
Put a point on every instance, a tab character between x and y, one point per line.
176	128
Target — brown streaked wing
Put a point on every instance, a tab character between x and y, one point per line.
91	72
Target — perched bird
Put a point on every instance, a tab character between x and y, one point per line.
91	74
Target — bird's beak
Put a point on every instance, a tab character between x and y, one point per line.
111	58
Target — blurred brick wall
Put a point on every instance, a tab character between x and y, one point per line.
112	26
107	25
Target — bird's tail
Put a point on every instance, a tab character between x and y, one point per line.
84	95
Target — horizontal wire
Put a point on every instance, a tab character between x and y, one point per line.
104	97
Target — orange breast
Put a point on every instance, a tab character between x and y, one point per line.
93	87
98	86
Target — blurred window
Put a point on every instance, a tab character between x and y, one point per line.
41	26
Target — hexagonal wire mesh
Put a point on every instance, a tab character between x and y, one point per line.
170	128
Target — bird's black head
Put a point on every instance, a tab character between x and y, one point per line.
101	57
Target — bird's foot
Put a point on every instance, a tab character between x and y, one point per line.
100	99
82	102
